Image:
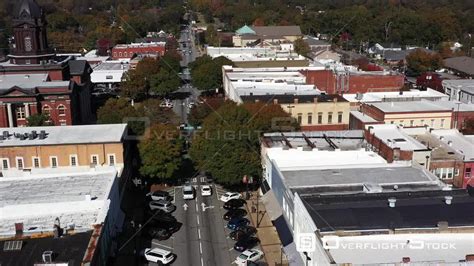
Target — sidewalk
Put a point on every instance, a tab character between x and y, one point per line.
266	232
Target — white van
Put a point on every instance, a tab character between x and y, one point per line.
159	255
188	192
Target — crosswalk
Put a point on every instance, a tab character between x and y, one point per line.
172	192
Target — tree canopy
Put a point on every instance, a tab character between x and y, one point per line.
38	120
301	47
206	72
420	61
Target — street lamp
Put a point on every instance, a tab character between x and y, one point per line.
307	257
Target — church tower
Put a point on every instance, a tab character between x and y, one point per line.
29	27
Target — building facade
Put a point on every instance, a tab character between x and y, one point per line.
128	51
339	82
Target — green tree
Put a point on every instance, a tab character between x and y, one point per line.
160	152
302	47
116	111
164	82
207	73
136	82
229	148
212	37
38	120
421	61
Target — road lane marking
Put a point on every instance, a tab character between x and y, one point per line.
199	233
197	216
202	262
197	208
200	247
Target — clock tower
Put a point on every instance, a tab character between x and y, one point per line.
30	40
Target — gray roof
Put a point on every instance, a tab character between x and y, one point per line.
313	41
63	135
30	7
353	176
78	67
462	64
466	85
403	107
29	82
395	55
277	30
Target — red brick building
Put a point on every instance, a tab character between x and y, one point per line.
35	81
128	51
354	82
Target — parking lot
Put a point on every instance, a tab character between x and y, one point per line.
203	238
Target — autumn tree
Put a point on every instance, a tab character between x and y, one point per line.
160	152
420	61
211	36
164	82
301	47
200	112
136	82
270	117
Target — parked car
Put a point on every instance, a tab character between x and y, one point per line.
166	104
206	190
159	233
234	213
246	243
163	205
250	255
237	222
159	255
234	204
230	195
171	226
188	192
242	232
160	195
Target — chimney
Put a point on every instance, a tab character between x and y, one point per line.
469	257
275	101
391	202
315	99
295	100
448	199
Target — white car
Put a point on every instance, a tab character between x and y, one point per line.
252	255
163	205
166	104
188	192
158	255
230	195
206	190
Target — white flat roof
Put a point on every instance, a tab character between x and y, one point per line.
297	159
394	137
38	199
405	107
363	117
60	135
456	141
462	84
456	105
390	249
386	96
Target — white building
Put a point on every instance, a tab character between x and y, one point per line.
265	81
332	189
109	73
461	90
393	96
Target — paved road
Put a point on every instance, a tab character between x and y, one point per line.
202	239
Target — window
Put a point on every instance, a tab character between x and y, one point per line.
19	163
300	118
310	118
456	172
28	46
73	160
401	122
27	62
53	161
62	123
412	123
432	122
450	172
61	110
94	159
468	172
5	164
339	117
442	123
320	118
115	54
20	112
422	122
47	109
392	122
109	77
120	54
36	162
111	159
330	118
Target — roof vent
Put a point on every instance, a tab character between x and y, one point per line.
395	187
27	76
448	199
42	134
48	256
391	202
6	134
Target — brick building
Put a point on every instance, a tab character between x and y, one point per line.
339	82
128	51
36	81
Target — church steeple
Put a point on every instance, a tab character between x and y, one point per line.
29	26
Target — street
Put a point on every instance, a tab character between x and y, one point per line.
203	239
